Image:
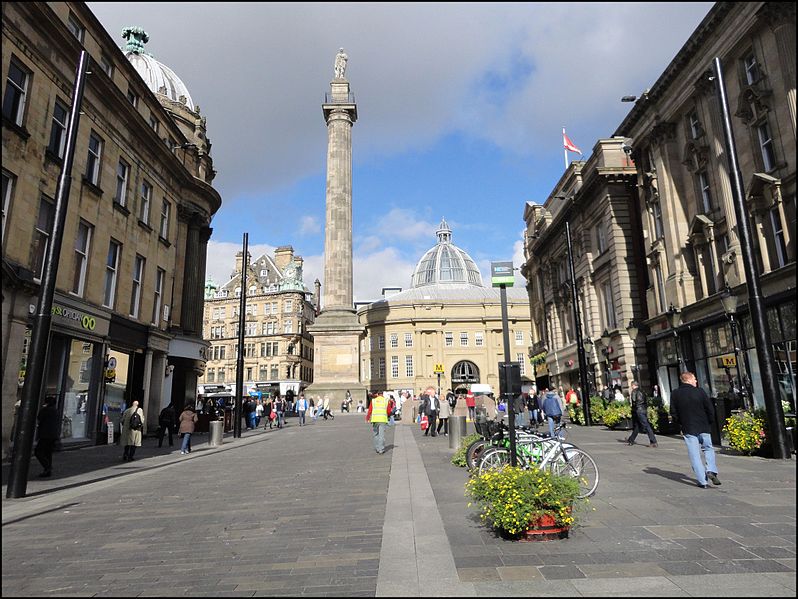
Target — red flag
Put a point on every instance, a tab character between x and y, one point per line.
569	145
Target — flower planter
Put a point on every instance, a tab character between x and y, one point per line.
625	424
545	529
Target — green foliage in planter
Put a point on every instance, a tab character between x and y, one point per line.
575	414
617	411
512	498
653	417
459	457
596	409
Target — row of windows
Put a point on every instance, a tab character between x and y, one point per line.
81	259
264	372
376	368
251	329
267	349
269	308
448	337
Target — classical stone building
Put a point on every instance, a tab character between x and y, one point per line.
447	317
127	314
597	198
691	244
278	350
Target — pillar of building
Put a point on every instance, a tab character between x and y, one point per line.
337	332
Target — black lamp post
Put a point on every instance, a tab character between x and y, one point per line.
729	301
633	330
605	349
674	316
588	344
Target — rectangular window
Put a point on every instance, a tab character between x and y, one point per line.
111	268
122	172
288	306
166	208
696	130
766	145
395	367
409	366
381	372
41	237
82	243
132	98
288	326
659	229
380	341
16	93
8	188
93	159
479	339
58	130
519	337
601	238
135	293
463	339
394	340
210	376
751	67
660	287
520	359
263	373
408	339
146	198
448	339
274	373
76	28
160	275
609	306
778	237
107	65
249	350
222	375
154	123
706	192
251	329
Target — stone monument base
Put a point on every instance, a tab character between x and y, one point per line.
336	358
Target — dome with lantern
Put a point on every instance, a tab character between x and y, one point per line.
446	264
159	78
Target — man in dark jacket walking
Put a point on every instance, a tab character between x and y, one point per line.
48	433
431	408
640	416
167	422
692	409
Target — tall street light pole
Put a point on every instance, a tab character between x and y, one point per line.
764	349
580	350
501	276
242	307
40	335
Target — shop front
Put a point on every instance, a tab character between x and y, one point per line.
74	367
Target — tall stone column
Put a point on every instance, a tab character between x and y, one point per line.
336	332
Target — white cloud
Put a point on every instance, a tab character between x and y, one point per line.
309	225
384	268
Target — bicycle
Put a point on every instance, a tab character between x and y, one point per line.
493	436
550	453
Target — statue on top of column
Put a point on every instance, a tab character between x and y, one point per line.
340	64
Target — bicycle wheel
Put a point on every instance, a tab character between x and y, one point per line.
494	458
578	464
474	453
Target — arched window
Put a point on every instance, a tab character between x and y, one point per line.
465	372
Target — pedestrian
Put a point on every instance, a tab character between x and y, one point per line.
258	413
693	410
391	411
471	404
519	405
533	407
432	406
268	413
327	413
552	409
606	395
443	417
279	408
48	433
618	394
167	420
360	406
250	412
132	427
301	409
640	416
378	416
188	420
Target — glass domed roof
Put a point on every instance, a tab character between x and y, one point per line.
158	77
446	264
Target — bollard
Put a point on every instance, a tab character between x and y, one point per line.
216	430
457	431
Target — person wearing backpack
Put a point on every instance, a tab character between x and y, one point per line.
132	428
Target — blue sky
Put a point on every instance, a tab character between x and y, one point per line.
461	109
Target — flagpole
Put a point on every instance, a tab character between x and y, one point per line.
564	149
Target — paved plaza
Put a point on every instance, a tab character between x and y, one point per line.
313	511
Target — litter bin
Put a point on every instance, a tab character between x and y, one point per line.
457	431
216	433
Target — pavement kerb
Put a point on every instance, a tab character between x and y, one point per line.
18	509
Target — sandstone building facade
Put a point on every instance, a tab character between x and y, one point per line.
127	315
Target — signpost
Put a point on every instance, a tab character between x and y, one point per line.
501	275
439	371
